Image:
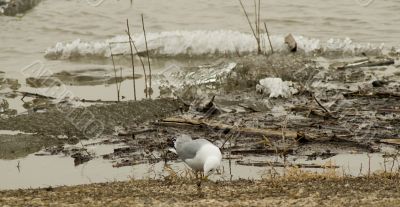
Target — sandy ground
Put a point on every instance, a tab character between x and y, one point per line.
294	190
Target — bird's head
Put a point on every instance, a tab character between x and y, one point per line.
211	165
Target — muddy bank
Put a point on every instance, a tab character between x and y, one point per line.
20	145
314	114
330	111
55	127
62	119
306	191
14	7
76	78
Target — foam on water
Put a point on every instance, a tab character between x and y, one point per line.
201	43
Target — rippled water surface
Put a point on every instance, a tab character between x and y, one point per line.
25	39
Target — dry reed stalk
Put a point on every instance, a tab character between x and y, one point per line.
269	39
133	63
142	63
258	18
117	82
251	27
150	91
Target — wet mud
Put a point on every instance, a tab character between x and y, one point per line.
332	112
77	78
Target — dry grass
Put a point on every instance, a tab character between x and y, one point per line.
296	189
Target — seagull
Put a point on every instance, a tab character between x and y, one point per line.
199	154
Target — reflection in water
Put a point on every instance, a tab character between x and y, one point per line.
43	171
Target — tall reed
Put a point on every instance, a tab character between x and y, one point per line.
133	63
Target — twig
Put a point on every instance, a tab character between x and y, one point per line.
269	39
148	56
19	166
369	164
24	94
133	64
326	110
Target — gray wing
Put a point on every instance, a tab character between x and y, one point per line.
182	139
189	149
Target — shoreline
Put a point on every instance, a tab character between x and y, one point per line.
299	190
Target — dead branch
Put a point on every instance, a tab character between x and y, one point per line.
24	94
326	110
180	122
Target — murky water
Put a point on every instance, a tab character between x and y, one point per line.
43	171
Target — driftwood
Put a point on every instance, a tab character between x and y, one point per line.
383	94
366	62
25	94
96	101
390	141
136	132
280	164
180	122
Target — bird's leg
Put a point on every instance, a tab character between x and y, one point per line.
199	177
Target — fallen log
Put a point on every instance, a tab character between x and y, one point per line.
366	62
277	133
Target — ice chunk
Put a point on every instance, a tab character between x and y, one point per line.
275	87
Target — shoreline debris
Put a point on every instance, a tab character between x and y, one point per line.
291	43
365	62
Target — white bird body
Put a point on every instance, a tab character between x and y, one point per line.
199	154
